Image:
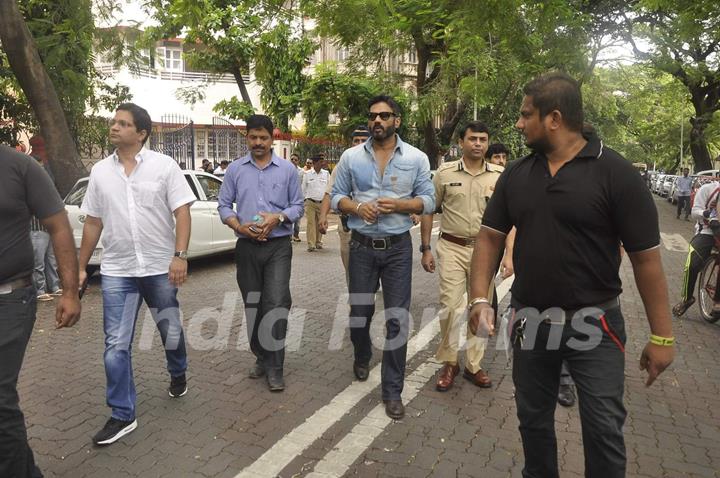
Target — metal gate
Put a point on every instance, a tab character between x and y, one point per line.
174	136
225	141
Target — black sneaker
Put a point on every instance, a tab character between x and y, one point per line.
114	430
178	386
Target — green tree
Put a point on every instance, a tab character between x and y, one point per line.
684	42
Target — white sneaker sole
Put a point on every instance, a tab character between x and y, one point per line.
178	396
119	434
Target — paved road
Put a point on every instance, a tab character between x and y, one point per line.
327	424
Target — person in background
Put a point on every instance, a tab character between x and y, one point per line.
498	154
220	170
684	188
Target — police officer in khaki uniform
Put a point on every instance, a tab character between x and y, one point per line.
462	189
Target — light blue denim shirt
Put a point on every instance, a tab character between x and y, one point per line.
406	176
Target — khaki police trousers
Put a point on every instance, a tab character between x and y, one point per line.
312	213
454	268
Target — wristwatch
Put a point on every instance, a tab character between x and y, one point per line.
181	254
282	217
424	248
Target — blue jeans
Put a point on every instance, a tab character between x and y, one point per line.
392	267
45	276
122	297
17	317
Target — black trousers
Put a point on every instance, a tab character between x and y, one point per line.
683	205
700	248
17	317
599	377
263	275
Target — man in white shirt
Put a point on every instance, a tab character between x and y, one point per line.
220	170
314	184
132	197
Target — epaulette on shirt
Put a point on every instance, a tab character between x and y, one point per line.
449	165
496	168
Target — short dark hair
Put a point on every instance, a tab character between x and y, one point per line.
260	122
475	127
557	91
361	131
224	162
141	118
496	148
386	99
296	155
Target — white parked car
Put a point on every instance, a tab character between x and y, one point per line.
208	234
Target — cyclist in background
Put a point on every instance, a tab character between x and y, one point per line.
704	211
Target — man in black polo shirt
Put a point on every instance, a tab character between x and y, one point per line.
25	191
573	201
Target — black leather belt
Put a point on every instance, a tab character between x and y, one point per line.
379	243
558	316
8	287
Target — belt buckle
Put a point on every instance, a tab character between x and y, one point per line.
469	242
382	241
5	289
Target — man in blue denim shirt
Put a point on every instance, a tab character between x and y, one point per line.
266	190
379	184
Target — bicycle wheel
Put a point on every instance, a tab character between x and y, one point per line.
706	288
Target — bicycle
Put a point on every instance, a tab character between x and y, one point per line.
707	283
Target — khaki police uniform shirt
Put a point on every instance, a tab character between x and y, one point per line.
463	196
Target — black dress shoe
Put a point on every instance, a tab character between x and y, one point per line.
275	380
362	370
566	396
394	409
257	371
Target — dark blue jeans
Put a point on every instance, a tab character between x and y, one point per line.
17	317
599	376
263	275
122	298
393	268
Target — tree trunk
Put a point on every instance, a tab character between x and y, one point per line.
19	45
698	145
241	84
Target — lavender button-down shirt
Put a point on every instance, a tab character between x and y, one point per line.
275	188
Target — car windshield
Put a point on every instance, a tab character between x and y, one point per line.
76	195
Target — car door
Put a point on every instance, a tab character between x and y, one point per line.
201	227
223	237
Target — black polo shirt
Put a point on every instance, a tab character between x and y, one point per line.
570	227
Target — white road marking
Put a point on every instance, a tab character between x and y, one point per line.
674	242
338	460
277	457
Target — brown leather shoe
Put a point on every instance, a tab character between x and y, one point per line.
446	377
479	379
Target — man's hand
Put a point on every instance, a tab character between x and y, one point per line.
655	359
506	268
251	230
428	261
323	224
481	319
82	277
67	312
270	221
368	212
387	205
178	271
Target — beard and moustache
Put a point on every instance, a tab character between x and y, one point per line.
381	133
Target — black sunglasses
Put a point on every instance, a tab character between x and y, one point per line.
385	115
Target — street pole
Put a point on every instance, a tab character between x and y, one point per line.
682	122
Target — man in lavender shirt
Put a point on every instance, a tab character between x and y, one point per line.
266	191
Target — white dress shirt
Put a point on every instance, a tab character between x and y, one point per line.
314	184
137	212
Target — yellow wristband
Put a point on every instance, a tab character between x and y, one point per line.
664	341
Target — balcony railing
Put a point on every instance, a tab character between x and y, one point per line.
145	72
